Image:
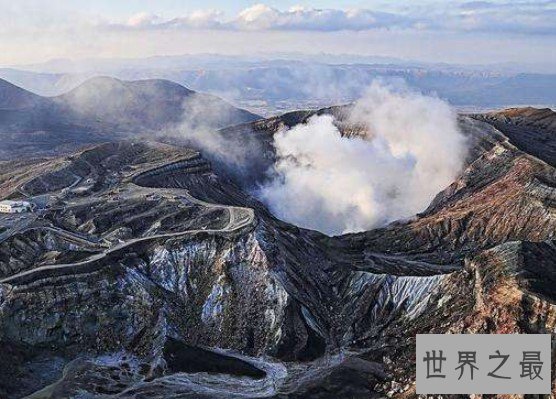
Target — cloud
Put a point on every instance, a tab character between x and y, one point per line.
201	19
511	17
261	16
336	184
142	20
479	16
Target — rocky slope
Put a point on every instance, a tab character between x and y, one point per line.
143	273
530	129
15	98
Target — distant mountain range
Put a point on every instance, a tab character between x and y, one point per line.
102	109
270	86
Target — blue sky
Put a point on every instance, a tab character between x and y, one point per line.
455	31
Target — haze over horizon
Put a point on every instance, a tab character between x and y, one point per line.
463	32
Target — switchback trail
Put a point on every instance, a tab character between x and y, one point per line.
239	218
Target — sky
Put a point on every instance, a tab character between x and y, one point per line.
455	31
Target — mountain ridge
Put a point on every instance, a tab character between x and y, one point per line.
13	97
103	109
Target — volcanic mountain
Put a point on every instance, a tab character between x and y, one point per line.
16	98
104	109
146	272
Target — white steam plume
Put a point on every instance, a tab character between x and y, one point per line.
335	184
203	115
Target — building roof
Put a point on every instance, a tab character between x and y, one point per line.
14	203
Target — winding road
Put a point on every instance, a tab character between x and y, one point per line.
239	218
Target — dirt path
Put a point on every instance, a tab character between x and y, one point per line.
235	222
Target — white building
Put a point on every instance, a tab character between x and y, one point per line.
14	206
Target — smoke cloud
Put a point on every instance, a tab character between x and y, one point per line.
411	150
236	154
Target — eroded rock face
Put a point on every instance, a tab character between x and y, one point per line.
227	290
147	275
530	129
499	291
